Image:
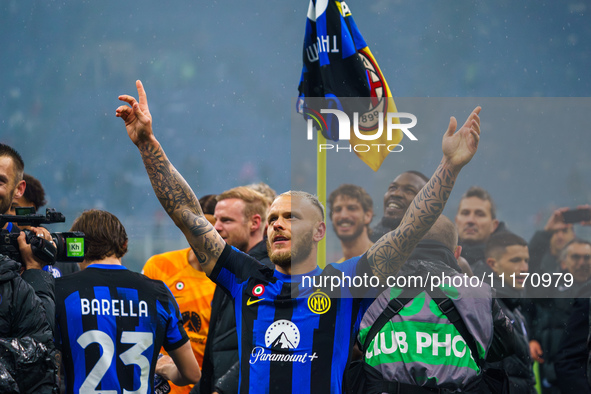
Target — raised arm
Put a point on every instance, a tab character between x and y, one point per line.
170	187
539	245
387	255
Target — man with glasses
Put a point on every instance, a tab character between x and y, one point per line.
548	316
575	259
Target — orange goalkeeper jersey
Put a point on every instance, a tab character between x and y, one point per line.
193	292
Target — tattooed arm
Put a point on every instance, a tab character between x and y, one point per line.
170	187
387	255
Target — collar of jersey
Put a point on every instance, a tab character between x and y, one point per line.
296	278
107	266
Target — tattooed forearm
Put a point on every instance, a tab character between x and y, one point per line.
391	251
198	225
201	257
208	248
212	244
182	206
170	187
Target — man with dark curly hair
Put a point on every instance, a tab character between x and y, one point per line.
350	210
34	195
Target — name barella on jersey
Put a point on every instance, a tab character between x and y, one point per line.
111	325
291	339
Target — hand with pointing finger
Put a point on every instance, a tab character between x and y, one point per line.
137	117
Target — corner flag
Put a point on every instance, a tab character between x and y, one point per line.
339	64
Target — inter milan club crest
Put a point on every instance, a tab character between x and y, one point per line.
319	302
258	290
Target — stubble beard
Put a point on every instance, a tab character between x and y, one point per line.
349	238
299	252
5	204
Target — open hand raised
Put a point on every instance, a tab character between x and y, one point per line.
459	147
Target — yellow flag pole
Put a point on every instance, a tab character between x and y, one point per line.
321	192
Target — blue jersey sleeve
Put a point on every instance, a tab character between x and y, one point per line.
175	335
234	268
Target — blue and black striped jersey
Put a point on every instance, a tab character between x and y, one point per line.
292	339
111	324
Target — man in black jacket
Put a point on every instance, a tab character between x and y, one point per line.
507	255
549	315
27	304
572	361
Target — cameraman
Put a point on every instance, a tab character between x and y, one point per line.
27	310
34	197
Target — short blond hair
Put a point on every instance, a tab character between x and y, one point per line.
254	202
265	190
313	199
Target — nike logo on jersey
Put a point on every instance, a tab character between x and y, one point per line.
249	302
